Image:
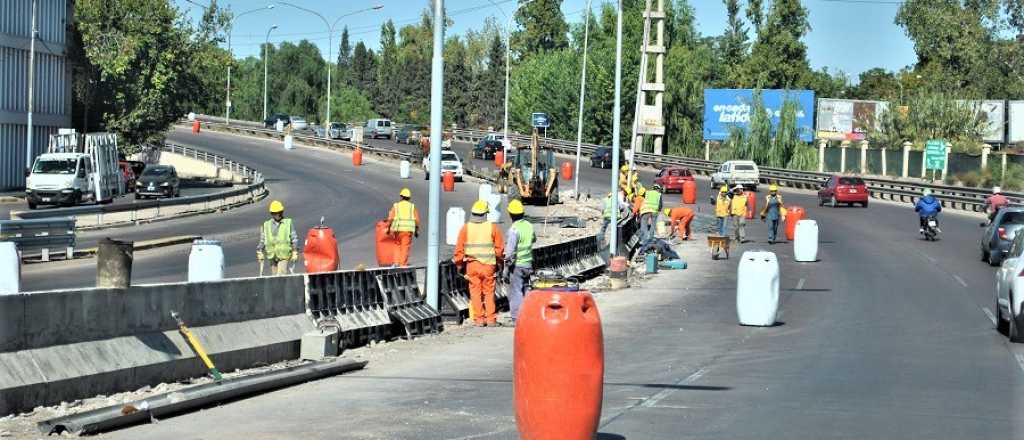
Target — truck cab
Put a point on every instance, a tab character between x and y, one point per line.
64	179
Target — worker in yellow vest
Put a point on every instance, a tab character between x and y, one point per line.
738	214
649	212
279	243
722	209
479	249
518	257
404	222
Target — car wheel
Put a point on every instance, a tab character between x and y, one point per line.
31	205
864	205
426	176
1014	330
821	201
833	202
984	255
605	164
993	260
1002	325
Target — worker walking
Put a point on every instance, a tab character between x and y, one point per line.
680	219
404	222
278	241
477	249
738	214
722	209
518	257
772	212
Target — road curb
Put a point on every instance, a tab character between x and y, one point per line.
146	244
11	199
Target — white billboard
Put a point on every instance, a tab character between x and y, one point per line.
1016	122
995	113
847	119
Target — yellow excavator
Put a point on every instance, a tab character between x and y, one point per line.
534	174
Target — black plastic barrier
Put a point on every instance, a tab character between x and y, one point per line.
405	304
454	292
353	299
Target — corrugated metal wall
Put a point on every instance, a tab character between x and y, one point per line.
12	158
16	17
51	72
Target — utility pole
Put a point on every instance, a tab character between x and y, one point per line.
434	208
616	122
31	85
579	122
648	118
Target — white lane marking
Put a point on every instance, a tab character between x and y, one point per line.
653	400
1020	360
930	258
960	280
800	284
991	317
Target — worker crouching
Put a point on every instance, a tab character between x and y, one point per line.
477	250
279	243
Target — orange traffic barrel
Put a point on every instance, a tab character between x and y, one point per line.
558	373
566	170
499	159
320	252
387	246
357	157
751	204
448	181
195	126
689	192
793	215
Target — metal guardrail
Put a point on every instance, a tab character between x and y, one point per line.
258	130
41	237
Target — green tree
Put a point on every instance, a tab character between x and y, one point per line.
349	105
877	84
344	64
734	43
458	74
364	69
489	88
778	59
544	28
386	98
755	13
547	82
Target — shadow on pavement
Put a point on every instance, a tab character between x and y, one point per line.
507	381
607	436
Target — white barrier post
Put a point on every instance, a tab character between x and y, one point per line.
805	241
945	165
454	220
10	268
906	159
757	289
842	158
205	261
986	149
404	168
885	164
864	157
822	144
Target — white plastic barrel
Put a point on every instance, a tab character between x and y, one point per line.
10	269
206	261
404	168
805	241
757	289
454	220
494	206
289	142
484	192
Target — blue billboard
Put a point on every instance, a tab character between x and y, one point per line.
727	108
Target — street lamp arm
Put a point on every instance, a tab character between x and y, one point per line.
371	8
308	10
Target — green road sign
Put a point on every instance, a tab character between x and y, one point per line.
935	154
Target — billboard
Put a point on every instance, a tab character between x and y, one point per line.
995	113
1016	122
727	108
848	120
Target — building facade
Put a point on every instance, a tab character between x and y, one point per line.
52	84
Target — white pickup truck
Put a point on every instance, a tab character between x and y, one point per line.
75	170
737	172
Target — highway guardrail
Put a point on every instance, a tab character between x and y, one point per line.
41	236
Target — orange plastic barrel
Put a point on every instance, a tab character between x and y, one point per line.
499	159
357	157
195	126
793	215
321	250
751	204
448	181
558	373
689	192
566	170
387	246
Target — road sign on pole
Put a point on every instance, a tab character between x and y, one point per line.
935	154
540	120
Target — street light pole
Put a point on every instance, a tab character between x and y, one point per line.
583	83
616	122
31	85
266	54
508	59
434	207
231	26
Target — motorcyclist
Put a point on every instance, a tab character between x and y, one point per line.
995	202
927	207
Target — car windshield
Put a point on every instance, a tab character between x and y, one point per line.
449	157
851	181
156	172
55	166
337	126
743	167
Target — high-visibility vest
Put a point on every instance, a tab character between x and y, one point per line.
480	242
608	203
524	245
739	205
722	206
652	201
405	217
278	246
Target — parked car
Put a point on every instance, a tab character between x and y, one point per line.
299	123
271	122
337	131
378	128
843	189
602	157
407	134
672	178
158	181
128	174
995	242
737	172
450	162
1010	291
486	149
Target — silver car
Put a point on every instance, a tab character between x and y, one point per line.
1010	291
995	242
299	123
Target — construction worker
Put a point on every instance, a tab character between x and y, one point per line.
649	211
278	241
611	203
518	257
772	212
477	249
404	222
680	219
639	192
722	209
738	214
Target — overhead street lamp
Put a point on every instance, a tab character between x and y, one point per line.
616	126
266	54
579	122
231	25
508	58
330	50
434	192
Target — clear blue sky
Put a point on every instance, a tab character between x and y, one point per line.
845	35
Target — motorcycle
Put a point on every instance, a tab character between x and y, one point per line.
931	229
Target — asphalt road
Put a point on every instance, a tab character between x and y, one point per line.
888	336
6	208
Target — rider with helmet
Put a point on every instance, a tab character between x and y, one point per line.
927	207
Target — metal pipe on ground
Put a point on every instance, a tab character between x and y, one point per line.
114	263
119	416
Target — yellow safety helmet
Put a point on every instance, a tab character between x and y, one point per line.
773	187
480	207
668	211
405	193
276	207
724	189
624	168
515	207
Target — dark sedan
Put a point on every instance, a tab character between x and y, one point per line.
998	236
486	149
602	157
271	122
158	181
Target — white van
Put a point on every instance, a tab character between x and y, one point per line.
378	128
737	172
71	173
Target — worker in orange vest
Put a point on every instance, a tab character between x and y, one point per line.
404	221
479	249
680	219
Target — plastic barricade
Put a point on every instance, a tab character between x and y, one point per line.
404	169
558	360
405	305
205	261
454	292
805	242
689	192
751	204
566	170
484	192
195	127
757	289
454	219
793	215
10	268
352	300
289	142
387	246
357	157
448	181
499	159
320	252
494	206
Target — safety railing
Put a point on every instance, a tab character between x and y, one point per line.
40	237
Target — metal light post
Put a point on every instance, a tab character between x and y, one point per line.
583	83
31	85
508	59
330	52
434	208
231	26
616	122
266	54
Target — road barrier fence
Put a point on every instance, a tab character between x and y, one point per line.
41	237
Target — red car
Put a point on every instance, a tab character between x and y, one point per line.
672	178
843	189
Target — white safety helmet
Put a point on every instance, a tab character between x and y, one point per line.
927	192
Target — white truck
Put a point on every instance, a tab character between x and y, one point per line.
737	172
75	170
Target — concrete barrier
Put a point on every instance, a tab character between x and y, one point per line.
194	167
